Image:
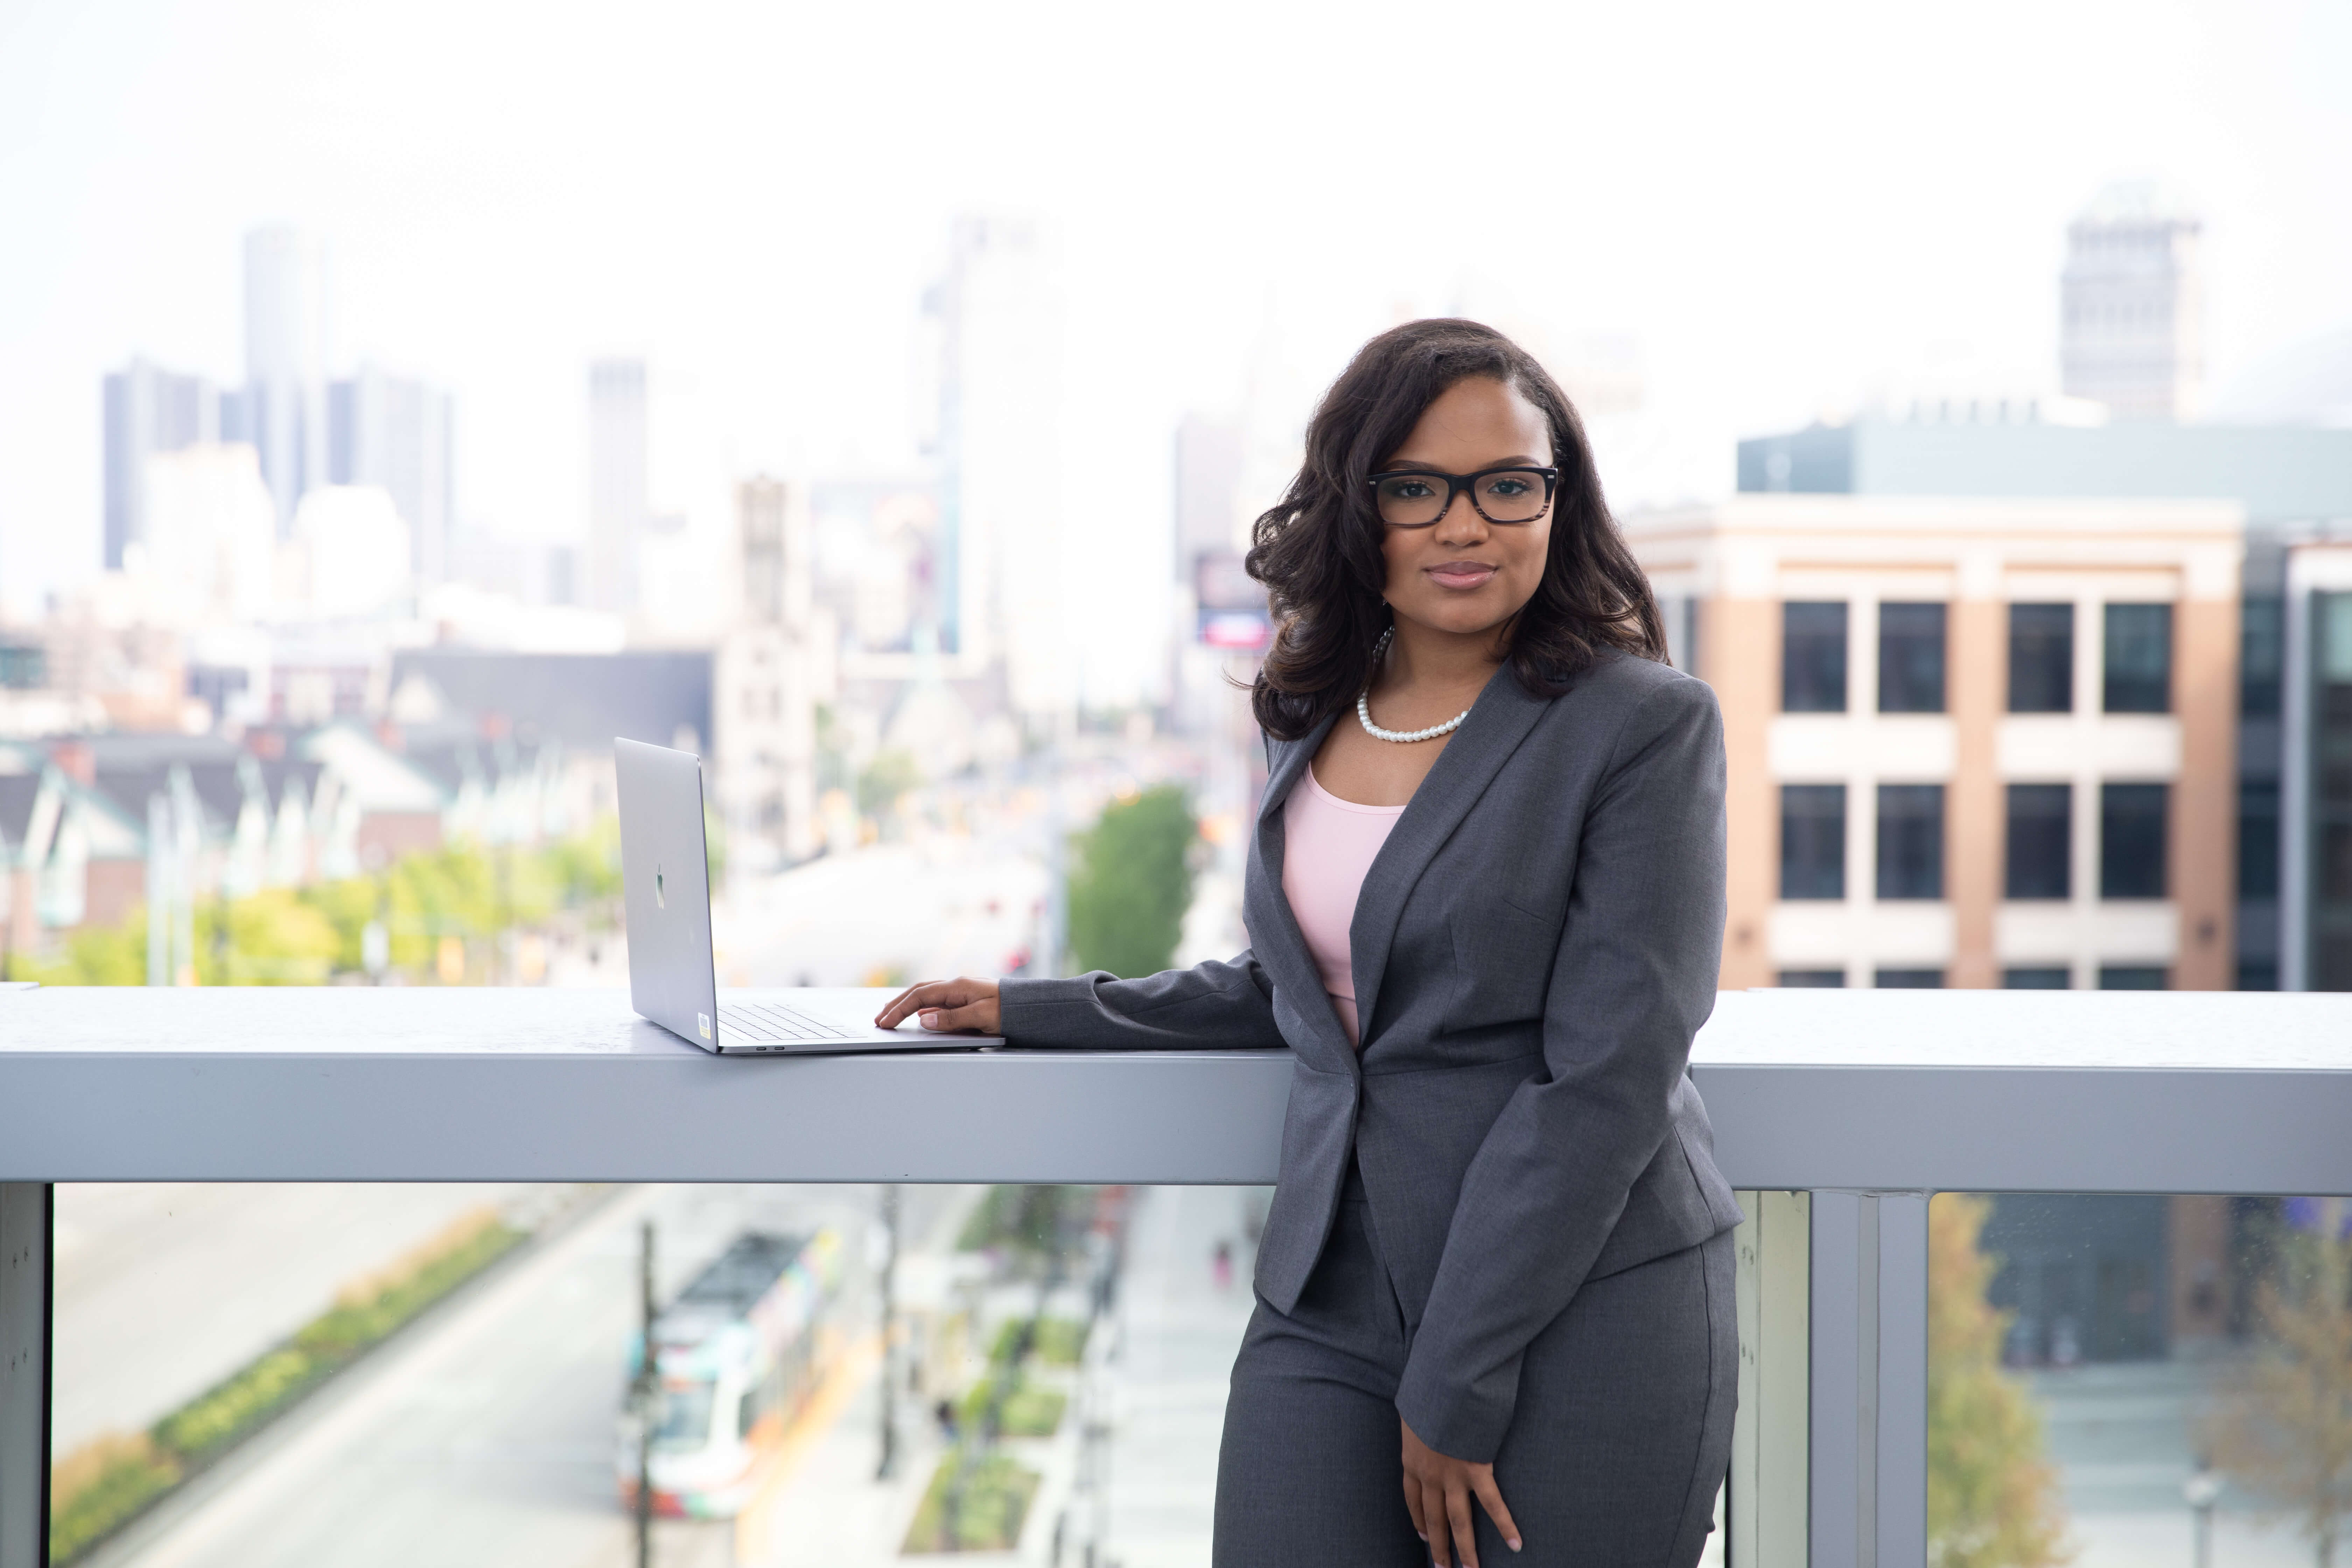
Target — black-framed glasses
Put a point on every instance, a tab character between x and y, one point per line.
1417	498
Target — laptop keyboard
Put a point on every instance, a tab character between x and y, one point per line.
769	1021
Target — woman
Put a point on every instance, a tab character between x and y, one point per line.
1485	899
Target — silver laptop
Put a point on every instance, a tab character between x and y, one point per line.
673	973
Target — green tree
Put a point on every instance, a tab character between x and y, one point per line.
302	937
1132	883
2288	1433
268	937
1992	1498
890	776
94	955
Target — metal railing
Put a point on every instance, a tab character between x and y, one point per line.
1838	1114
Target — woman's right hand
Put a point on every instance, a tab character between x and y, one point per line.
950	1006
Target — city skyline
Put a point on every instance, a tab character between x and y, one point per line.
778	290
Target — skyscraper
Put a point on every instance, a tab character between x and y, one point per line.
2132	332
283	410
1000	565
775	664
395	434
147	410
617	486
1227	610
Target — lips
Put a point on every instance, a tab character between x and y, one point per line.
1462	575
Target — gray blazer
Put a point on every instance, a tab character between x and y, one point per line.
1534	947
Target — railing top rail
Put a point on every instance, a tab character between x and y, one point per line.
1894	1090
2234	1031
2140	1031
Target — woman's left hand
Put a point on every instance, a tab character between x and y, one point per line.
1437	1491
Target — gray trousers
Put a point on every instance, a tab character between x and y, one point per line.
1621	1435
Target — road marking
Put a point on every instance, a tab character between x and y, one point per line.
852	1370
353	1403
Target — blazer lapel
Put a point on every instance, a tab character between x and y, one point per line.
1498	721
1274	931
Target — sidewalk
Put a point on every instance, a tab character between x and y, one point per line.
826	1505
1161	1386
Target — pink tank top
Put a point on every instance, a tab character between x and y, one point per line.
1328	845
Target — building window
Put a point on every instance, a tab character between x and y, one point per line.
1910	841
2139	658
1680	614
2327	858
24	666
2037	977
2038	846
2042	659
2131	978
1910	658
1812	979
1812	841
1813	656
2258	842
2262	654
1908	979
2132	841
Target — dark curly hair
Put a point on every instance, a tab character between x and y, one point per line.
1318	550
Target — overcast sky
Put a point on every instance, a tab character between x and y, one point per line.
1780	205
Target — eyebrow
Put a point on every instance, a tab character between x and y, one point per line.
1406	465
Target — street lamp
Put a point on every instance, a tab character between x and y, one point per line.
888	1465
646	1397
2202	1491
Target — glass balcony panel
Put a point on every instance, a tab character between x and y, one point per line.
2128	1380
321	1375
329	1374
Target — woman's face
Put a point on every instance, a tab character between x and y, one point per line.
1463	574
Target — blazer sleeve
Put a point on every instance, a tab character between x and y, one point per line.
1210	1007
1634	979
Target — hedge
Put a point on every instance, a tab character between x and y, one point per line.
108	1482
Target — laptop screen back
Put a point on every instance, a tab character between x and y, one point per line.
665	890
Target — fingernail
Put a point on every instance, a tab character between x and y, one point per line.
1512	1544
930	1018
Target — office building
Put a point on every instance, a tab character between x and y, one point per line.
2312	869
618	486
211	557
999	562
349	557
147	411
2132	313
1972	742
396	435
775	664
1221	612
281	411
2295	484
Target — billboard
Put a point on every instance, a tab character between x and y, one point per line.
1231	610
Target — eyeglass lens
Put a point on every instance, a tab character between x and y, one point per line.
1416	501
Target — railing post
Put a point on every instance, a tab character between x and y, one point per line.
26	1209
1903	1380
1768	1501
1869	1403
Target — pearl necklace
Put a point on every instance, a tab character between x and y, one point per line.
1402	737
